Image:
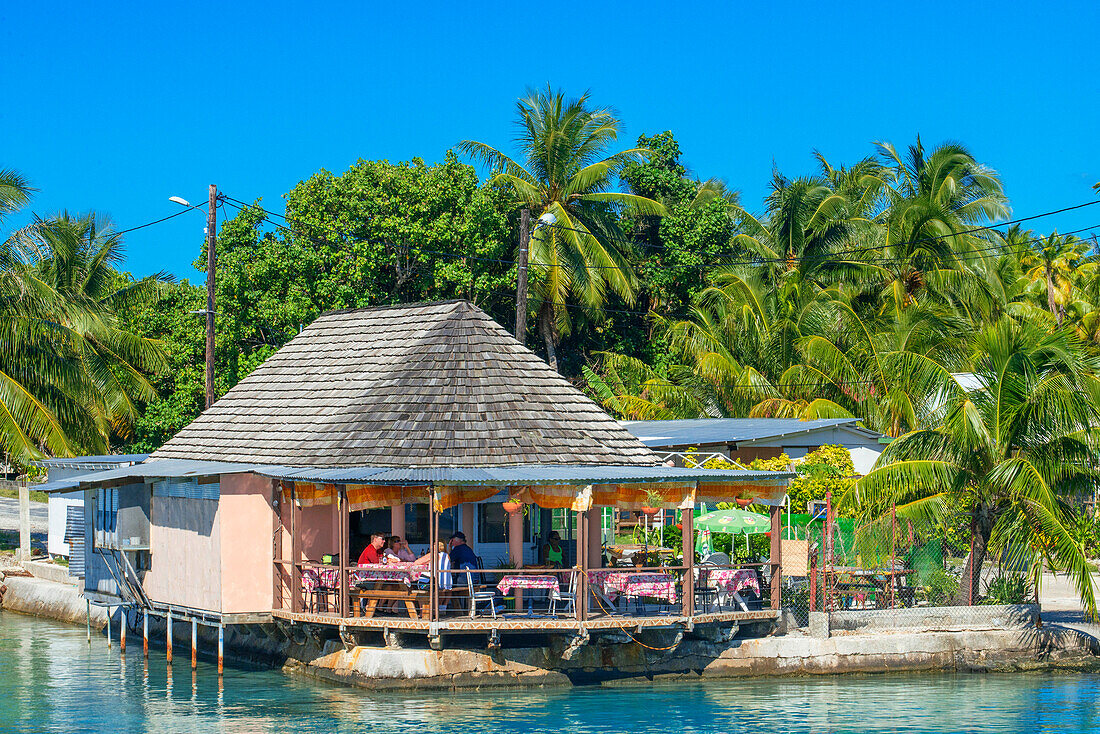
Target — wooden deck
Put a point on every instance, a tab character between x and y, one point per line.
522	623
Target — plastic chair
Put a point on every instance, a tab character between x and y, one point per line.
706	596
568	597
480	596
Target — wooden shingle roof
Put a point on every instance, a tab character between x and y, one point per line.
437	384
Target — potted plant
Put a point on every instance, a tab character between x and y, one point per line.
744	501
652	504
513	506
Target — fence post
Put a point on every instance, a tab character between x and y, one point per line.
775	558
24	523
826	587
892	579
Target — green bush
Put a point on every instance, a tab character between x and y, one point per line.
1008	588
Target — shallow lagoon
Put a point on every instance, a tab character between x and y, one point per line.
52	680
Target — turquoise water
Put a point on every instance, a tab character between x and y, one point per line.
51	680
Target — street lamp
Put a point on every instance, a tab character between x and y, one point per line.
211	241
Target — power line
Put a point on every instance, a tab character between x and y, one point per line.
747	261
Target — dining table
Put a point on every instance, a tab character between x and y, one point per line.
634	584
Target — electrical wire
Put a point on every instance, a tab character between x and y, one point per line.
704	267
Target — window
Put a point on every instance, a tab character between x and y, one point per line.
416	523
492	523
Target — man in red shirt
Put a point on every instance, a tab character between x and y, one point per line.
370	553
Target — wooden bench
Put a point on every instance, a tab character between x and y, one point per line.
415	601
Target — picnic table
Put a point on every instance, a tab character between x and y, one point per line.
375	582
861	588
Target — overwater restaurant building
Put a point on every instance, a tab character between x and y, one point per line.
417	421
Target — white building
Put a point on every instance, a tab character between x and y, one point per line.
745	439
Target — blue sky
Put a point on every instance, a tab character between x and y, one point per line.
114	107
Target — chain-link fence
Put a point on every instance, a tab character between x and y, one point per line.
886	573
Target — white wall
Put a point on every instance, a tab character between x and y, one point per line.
57	508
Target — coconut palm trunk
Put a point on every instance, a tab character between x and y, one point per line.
549	334
981	529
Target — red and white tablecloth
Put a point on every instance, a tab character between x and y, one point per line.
632	584
386	572
508	583
320	578
733	579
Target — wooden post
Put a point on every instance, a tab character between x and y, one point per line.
295	554
687	542
345	549
433	539
211	261
145	633
88	619
108	628
168	637
521	276
775	556
221	646
122	632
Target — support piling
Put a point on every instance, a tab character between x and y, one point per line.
194	643
145	633
221	647
88	619
168	638
122	630
108	628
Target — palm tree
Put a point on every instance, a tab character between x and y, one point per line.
566	172
1015	451
78	261
1055	260
931	204
69	375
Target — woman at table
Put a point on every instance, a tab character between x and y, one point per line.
389	550
553	555
402	549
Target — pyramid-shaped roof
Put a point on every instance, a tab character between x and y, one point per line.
425	385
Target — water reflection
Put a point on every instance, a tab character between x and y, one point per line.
52	680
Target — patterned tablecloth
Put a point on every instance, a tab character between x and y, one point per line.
320	578
733	579
508	583
631	584
387	572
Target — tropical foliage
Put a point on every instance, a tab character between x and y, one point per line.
72	377
883	289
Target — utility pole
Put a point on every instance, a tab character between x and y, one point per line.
521	276
211	241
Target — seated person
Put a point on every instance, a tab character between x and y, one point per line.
389	550
463	556
371	554
444	565
552	553
403	551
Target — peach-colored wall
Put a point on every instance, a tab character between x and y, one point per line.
319	532
247	524
185	553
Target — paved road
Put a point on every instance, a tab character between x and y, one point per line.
9	515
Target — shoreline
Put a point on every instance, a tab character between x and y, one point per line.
604	661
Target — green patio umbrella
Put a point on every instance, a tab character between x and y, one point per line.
732	521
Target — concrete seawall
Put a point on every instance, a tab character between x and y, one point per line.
611	660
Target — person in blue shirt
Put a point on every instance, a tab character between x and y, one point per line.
462	555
